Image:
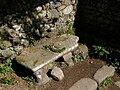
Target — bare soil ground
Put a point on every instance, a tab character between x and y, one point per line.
72	74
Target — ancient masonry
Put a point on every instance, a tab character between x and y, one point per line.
43	21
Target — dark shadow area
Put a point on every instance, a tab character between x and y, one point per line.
21	70
8	7
98	22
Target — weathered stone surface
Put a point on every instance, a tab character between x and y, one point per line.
84	84
7	52
117	83
82	50
57	73
5	44
37	56
68	9
41	77
103	73
54	13
68	59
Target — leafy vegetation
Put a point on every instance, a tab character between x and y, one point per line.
7	80
105	83
53	49
4	70
109	54
68	29
78	58
29	79
7	67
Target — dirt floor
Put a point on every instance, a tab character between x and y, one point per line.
72	74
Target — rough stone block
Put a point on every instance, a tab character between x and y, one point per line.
41	77
68	59
103	73
57	73
38	56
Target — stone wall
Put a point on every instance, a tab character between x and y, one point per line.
98	21
23	28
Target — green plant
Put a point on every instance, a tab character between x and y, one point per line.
99	51
7	67
68	29
53	49
29	79
78	58
105	83
7	80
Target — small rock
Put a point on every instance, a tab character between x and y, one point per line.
117	83
67	2
39	9
61	8
57	73
5	44
84	84
17	27
41	77
49	15
54	13
68	10
68	59
55	5
42	14
103	73
7	52
24	42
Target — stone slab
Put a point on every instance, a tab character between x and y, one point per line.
84	84
36	57
103	73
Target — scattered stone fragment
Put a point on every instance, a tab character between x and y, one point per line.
68	9
68	59
117	83
57	73
84	84
103	73
41	77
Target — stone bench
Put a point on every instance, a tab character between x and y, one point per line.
46	51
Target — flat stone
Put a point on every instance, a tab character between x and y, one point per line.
84	84
57	73
68	59
37	56
103	73
117	83
68	9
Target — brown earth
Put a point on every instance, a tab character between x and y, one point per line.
72	74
